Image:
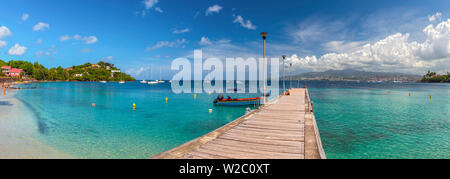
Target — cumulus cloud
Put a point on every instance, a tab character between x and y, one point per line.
246	24
25	16
150	4
213	9
17	50
181	31
162	44
393	53
41	26
4	32
205	41
158	9
435	17
90	39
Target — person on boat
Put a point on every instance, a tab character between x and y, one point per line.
229	98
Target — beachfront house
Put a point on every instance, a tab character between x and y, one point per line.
12	72
78	75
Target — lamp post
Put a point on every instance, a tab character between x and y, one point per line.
284	78
290	75
264	36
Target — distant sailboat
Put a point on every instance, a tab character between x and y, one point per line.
152	82
160	79
102	81
121	79
143	81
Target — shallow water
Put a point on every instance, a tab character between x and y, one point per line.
356	120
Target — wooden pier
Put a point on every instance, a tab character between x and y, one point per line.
286	129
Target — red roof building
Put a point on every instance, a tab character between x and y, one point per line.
8	71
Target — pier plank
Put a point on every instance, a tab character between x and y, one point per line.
281	130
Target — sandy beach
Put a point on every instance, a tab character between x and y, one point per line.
19	133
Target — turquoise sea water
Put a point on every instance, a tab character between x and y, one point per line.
112	129
356	120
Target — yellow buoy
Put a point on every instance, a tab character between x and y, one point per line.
210	110
430	97
134	106
209	93
167	99
195	96
409	94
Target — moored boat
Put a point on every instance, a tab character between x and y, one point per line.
220	101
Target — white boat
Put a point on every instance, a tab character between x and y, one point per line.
143	81
121	82
153	82
170	81
160	81
102	81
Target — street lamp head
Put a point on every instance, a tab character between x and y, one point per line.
264	35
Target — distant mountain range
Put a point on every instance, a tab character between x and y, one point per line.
355	75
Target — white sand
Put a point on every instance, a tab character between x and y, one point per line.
19	134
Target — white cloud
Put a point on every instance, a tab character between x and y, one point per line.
64	38
2	44
181	31
41	26
213	9
205	41
150	3
435	17
90	39
17	50
393	53
162	44
246	24
25	16
4	32
158	9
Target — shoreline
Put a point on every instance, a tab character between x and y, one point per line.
19	138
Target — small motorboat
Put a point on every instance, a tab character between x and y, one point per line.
221	101
121	82
144	82
153	82
102	81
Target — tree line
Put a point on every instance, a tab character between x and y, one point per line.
86	72
432	77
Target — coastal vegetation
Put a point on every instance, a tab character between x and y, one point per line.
432	77
101	71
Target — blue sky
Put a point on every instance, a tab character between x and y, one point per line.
316	35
